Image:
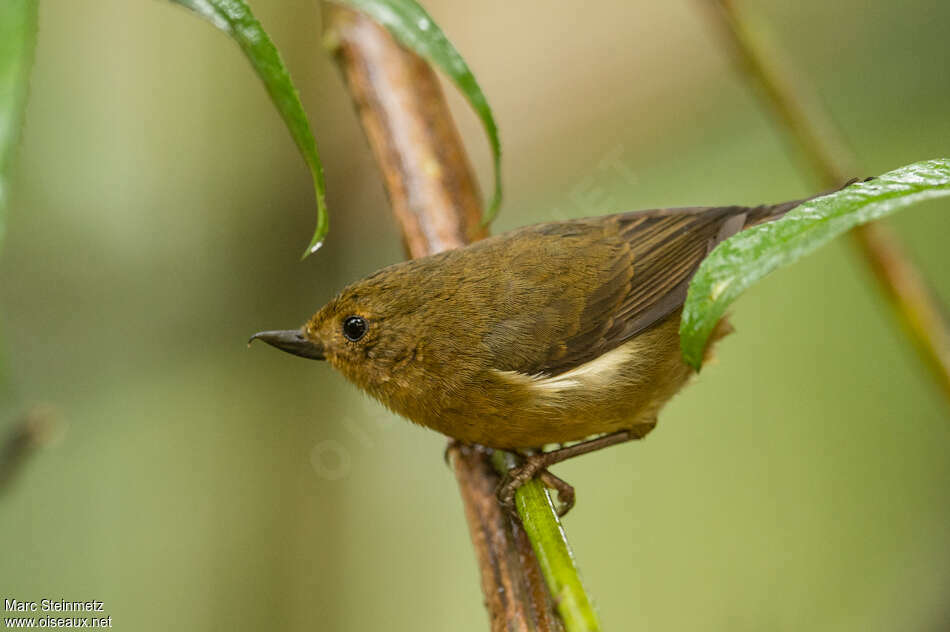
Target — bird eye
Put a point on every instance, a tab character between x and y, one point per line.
354	328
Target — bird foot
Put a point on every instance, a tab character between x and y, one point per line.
538	464
534	466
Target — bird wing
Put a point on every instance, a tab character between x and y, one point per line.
619	275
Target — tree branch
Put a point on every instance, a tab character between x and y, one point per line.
435	200
431	188
817	139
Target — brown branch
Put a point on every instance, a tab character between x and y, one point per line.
413	137
817	139
515	593
434	197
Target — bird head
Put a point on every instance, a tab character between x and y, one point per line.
371	332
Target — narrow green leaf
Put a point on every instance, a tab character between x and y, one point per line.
234	17
748	256
17	41
415	29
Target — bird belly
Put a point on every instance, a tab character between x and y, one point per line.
623	389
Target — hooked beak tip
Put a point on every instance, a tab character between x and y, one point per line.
259	334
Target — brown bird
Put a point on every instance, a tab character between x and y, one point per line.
547	334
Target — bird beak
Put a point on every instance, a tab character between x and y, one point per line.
292	341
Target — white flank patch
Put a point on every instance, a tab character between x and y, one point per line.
598	371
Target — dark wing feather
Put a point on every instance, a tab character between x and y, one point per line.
656	254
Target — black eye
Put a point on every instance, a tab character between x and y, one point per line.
354	328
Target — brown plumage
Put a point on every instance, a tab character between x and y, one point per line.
546	334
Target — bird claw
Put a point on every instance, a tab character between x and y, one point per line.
534	466
566	496
453	445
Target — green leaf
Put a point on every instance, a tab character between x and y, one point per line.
415	29
748	256
17	41
234	17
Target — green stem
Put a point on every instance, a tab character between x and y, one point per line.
555	557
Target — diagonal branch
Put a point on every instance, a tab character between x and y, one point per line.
817	139
435	200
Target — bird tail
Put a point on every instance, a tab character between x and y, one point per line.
771	212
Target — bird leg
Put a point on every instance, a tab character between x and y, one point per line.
537	464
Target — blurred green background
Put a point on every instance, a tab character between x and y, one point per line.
158	214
